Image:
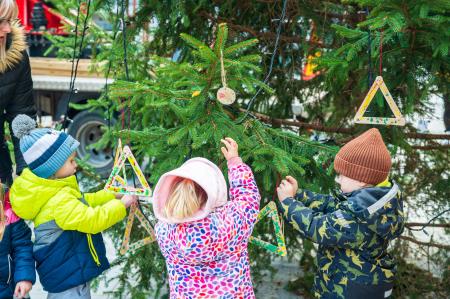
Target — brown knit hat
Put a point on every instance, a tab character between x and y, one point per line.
365	158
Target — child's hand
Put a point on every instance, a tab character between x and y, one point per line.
128	200
22	288
287	188
118	195
231	150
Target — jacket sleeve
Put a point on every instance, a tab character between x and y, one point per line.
316	202
71	214
338	228
23	102
244	193
22	252
98	198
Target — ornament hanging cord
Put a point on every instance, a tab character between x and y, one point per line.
127	74
381	52
369	74
369	56
124	35
223	73
116	26
272	59
74	71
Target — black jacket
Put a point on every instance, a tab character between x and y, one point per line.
16	86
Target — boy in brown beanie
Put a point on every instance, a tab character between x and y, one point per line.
353	230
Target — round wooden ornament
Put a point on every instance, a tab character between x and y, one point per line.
226	95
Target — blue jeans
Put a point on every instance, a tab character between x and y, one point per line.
82	291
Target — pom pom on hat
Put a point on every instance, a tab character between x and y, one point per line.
22	125
44	150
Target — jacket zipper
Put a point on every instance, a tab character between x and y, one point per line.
9	269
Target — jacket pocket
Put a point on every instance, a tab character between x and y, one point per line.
358	290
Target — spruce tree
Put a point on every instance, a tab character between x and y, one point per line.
173	77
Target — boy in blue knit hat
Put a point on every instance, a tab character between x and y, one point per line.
68	249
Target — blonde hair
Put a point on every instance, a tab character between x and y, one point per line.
8	10
185	198
2	211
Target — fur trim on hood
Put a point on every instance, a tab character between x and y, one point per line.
15	44
203	172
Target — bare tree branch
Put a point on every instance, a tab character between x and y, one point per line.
432	244
352	130
412	224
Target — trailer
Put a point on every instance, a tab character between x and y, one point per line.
51	84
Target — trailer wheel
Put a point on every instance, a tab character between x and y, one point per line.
86	127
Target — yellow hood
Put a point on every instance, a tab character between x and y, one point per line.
30	193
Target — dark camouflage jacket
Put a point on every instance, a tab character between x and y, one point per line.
353	232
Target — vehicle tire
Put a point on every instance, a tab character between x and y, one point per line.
86	127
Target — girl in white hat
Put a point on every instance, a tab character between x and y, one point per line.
203	235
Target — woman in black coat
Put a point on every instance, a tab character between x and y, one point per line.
16	86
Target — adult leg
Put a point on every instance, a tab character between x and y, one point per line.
20	161
5	158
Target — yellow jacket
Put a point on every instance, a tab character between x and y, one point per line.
43	200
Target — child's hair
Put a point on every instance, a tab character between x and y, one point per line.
185	198
2	211
8	10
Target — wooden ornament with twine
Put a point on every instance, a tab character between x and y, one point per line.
225	95
270	210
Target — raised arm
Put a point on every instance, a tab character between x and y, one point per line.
334	228
319	203
244	193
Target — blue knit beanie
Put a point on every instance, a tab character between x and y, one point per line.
44	150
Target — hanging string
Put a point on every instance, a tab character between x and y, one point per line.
72	72
116	29
122	28
223	73
369	80
369	53
74	47
272	59
381	52
124	33
127	73
75	70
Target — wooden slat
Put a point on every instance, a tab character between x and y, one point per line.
57	67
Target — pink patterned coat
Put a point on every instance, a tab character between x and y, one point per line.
208	258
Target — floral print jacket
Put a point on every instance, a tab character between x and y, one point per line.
208	258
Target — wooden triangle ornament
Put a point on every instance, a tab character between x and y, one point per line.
121	180
398	120
126	246
118	151
270	210
117	183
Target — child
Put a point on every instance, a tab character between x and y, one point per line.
68	248
353	231
17	272
202	236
